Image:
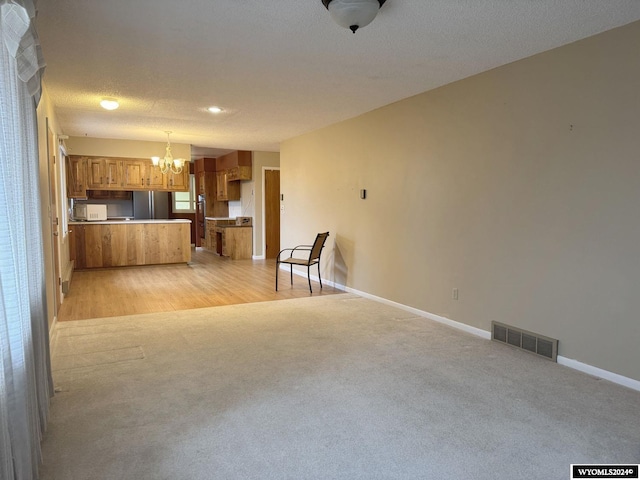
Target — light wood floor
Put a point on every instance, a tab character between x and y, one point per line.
209	281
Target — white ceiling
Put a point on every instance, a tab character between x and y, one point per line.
279	68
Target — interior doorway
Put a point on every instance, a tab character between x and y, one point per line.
53	216
272	212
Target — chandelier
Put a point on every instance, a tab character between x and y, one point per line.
353	14
168	163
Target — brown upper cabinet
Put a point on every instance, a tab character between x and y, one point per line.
76	177
132	174
225	189
109	173
230	169
238	173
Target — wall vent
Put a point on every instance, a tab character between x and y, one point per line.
531	342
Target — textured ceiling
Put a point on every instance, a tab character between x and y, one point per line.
279	68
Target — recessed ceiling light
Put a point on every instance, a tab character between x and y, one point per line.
109	103
215	109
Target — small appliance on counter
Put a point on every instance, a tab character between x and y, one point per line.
90	212
243	221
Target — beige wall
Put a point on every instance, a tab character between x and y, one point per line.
519	186
124	148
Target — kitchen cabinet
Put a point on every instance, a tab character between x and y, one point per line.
154	179
210	235
119	244
178	182
76	246
133	174
210	241
201	182
76	177
235	242
238	173
208	204
171	182
102	173
95	173
112	173
120	174
227	239
226	190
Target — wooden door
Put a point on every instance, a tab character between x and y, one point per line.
272	212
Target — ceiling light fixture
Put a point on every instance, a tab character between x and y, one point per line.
353	14
215	109
109	103
168	163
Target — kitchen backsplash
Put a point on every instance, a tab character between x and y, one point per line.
235	209
115	208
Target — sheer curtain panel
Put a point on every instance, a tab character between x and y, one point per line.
25	373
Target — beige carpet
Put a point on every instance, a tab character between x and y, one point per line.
335	387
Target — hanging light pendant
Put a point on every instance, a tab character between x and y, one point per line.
168	163
353	14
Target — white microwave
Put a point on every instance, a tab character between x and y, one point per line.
90	212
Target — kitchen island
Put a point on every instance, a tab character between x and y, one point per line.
122	243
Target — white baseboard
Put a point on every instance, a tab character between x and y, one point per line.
600	373
567	362
259	257
437	318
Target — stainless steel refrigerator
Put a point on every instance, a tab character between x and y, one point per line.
150	205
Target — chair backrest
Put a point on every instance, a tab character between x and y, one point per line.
318	245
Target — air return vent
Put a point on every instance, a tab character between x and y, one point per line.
532	342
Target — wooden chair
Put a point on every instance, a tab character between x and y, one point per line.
313	258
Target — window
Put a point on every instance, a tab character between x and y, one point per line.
185	202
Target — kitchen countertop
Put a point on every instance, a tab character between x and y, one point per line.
123	220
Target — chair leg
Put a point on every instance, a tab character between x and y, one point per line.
309	277
291	273
277	269
319	276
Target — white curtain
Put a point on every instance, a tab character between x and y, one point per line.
25	373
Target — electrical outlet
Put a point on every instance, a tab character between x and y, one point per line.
454	294
282	208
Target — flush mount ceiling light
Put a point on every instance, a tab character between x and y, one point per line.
215	109
168	163
109	103
353	14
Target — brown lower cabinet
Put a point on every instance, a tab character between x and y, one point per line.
227	239
121	244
